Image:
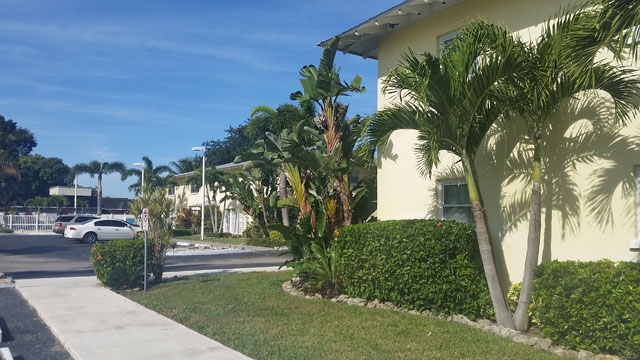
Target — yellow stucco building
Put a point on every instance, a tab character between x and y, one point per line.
578	221
189	195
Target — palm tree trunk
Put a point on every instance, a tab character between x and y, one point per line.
99	196
503	315
521	315
224	211
213	226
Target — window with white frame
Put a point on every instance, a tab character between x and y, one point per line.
454	201
194	188
172	190
446	40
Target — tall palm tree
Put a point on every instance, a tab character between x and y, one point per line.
285	117
100	168
552	78
452	102
185	165
153	176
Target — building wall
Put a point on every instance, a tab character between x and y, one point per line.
571	229
235	220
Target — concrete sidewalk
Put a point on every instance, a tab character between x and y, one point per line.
93	322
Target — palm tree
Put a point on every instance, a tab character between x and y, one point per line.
185	165
100	168
152	176
552	78
452	102
57	200
615	25
284	117
215	182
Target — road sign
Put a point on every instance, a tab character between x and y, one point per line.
145	219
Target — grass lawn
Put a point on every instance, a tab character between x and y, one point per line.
196	238
250	313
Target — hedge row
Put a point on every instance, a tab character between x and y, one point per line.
593	306
417	264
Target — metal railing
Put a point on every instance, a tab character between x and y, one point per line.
44	222
28	223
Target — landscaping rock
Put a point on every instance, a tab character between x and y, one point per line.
373	304
586	355
461	319
543	343
387	306
606	357
357	302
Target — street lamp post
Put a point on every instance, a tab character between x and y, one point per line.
141	181
75	196
201	148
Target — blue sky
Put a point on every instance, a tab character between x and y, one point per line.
118	80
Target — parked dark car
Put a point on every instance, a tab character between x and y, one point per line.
63	220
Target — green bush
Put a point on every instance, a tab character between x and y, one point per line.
513	295
416	264
119	264
321	270
254	231
182	232
276	236
593	306
265	242
5	230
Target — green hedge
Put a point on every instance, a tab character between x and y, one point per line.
417	264
593	306
266	242
181	232
119	264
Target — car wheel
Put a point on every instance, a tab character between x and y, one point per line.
90	238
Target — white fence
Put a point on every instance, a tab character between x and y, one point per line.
28	223
42	222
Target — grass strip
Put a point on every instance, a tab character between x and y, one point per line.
250	313
211	240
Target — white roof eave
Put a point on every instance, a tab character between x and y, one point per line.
363	39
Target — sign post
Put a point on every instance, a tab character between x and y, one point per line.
145	228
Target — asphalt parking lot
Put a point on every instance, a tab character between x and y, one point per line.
24	333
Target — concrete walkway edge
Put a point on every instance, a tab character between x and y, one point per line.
93	322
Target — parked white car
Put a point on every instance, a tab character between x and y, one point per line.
100	230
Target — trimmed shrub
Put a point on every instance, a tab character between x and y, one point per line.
119	264
416	264
182	232
4	230
265	242
593	306
276	235
254	231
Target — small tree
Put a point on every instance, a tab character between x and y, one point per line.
160	207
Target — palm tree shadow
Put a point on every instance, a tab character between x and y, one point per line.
579	138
